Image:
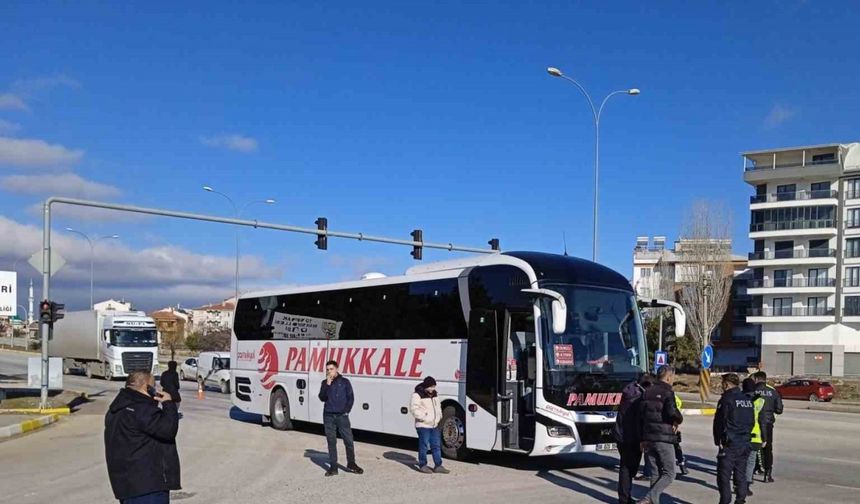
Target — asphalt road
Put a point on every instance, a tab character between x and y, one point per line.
228	457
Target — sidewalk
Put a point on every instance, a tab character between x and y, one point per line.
13	425
837	407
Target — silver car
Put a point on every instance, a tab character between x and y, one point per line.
188	369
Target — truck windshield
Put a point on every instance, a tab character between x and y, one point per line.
603	337
134	337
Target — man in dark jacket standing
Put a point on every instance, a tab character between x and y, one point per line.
658	421
733	425
140	442
627	436
767	417
170	382
336	393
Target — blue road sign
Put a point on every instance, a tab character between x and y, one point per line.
707	357
660	359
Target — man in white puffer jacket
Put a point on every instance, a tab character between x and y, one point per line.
428	413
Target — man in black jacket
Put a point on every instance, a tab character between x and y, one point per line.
733	424
766	418
659	419
140	442
627	436
170	382
336	393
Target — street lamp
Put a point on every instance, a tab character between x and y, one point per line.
596	112
92	242
238	212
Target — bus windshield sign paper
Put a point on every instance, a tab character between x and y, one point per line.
8	296
563	355
286	326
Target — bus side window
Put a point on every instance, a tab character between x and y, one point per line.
531	363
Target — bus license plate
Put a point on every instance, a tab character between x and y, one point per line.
607	447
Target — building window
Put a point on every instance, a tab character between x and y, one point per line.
852	188
645	272
823	158
852	277
852	247
817	277
852	306
816	306
777	219
786	192
782	306
853	218
782	278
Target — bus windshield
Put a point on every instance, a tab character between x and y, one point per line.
603	336
133	337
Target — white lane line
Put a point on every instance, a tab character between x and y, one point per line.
841	461
841	486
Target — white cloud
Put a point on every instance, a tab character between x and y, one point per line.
64	184
28	87
233	142
151	277
9	101
7	127
27	152
778	115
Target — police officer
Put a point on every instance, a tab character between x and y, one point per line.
767	417
757	441
733	424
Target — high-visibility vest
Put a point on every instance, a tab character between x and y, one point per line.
678	402
758	404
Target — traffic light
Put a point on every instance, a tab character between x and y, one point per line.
417	250
45	312
494	244
322	238
57	311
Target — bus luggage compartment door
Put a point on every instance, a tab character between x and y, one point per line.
482	377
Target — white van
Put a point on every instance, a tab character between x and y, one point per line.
213	368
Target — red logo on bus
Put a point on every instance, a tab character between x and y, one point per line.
268	362
592	399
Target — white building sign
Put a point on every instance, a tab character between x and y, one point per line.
8	293
286	326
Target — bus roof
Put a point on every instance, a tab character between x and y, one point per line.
538	266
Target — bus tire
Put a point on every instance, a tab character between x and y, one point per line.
453	427
279	411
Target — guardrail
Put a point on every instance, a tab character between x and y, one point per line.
803	311
793	196
793	282
792	254
790	225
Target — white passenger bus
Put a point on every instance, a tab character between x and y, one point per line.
530	351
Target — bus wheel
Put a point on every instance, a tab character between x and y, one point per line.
279	410
453	427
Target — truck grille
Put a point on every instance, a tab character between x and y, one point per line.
136	361
595	433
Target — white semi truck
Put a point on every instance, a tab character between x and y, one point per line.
110	344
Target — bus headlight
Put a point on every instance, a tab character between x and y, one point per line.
559	431
118	369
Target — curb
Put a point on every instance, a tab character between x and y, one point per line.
28	426
29	411
699	412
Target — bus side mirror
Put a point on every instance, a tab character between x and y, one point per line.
680	322
559	317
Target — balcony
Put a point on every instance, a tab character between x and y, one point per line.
792	314
793	196
851	314
792	256
788	165
793	283
793	228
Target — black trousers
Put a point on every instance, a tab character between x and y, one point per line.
767	451
732	467
631	456
338	424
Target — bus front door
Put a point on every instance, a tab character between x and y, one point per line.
482	378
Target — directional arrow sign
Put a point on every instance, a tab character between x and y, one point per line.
707	357
57	262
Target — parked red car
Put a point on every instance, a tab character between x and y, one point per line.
805	388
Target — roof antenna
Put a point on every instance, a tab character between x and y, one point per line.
564	239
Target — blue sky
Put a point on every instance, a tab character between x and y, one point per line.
387	116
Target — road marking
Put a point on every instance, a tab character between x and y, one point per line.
841	461
841	486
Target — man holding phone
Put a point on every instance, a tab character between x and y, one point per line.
336	393
140	442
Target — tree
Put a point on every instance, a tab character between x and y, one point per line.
192	342
704	270
216	340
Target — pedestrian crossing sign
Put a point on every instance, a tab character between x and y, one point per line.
660	359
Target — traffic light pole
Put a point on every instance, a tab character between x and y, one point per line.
46	248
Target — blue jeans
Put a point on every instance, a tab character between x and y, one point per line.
429	439
151	498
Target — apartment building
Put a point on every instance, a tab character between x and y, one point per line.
805	227
658	272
